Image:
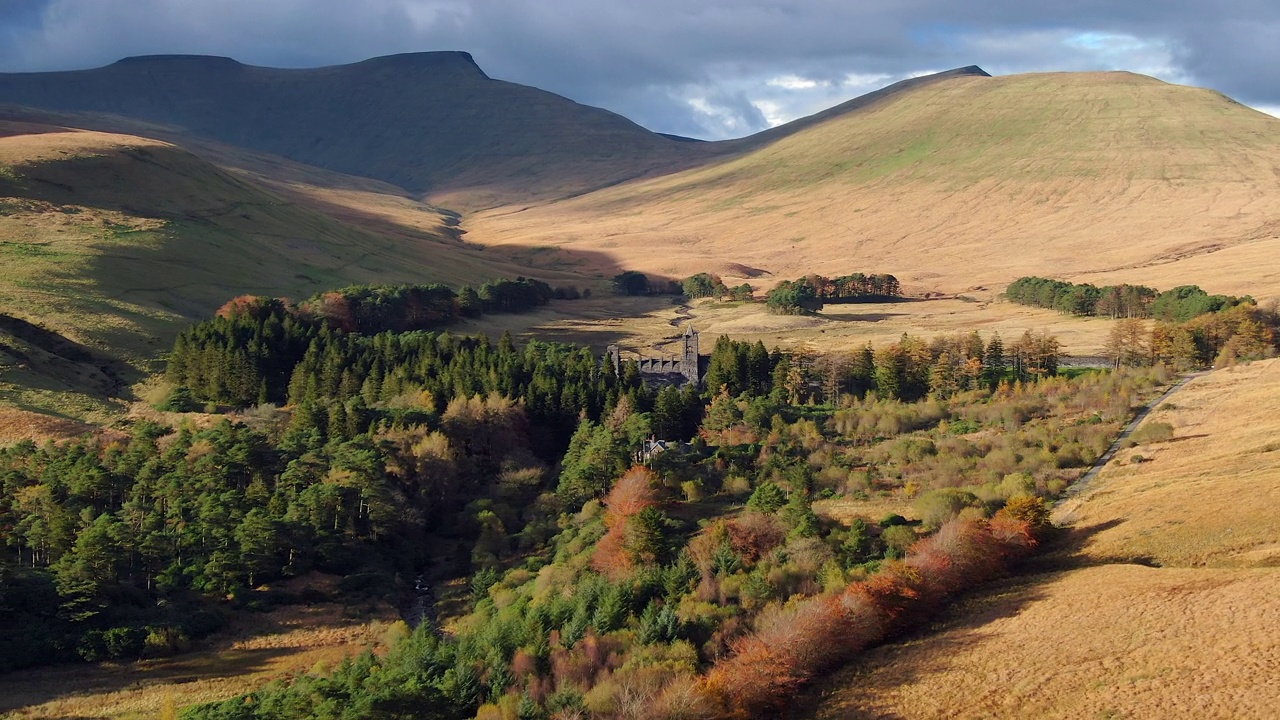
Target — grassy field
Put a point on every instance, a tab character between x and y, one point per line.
1117	641
961	186
640	324
255	651
1168	613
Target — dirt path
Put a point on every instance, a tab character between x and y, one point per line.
1079	486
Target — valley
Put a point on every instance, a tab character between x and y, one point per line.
284	352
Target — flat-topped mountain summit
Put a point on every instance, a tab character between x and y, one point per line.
433	123
429	122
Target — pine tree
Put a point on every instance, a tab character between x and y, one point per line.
759	370
644	538
994	362
667	419
259	544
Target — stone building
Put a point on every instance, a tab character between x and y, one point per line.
687	367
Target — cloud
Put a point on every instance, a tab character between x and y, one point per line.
713	68
792	82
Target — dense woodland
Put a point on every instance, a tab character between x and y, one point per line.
597	586
707	584
710	582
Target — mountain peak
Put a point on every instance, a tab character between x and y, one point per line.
434	61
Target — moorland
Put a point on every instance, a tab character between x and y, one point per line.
305	411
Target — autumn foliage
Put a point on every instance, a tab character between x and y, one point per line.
754	534
257	307
632	493
792	645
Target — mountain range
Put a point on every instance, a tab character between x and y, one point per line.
432	123
143	194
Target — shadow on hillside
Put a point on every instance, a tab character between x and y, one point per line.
73	682
206	259
62	361
12	126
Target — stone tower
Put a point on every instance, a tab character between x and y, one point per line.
689	358
613	356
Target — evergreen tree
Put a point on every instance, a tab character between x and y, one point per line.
767	498
259	544
759	370
645	539
994	362
667	419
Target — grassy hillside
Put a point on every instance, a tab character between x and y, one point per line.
963	184
1183	633
430	122
113	243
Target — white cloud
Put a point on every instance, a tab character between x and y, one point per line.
792	82
774	112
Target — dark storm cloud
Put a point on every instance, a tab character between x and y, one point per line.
710	68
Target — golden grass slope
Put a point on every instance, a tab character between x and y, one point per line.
1194	637
117	242
1118	641
963	184
1208	497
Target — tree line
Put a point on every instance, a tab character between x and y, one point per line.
1241	332
371	309
704	285
1119	301
908	370
808	294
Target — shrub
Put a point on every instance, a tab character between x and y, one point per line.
754	534
937	507
179	399
793	645
124	642
892	519
1027	509
164	641
202	623
1151	432
897	538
